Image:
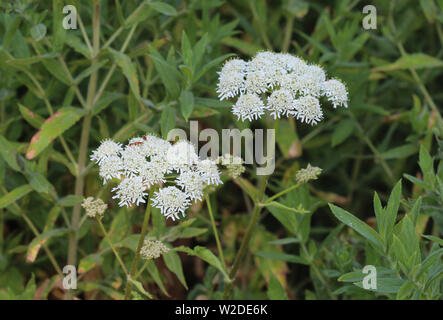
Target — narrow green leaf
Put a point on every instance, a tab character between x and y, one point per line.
36	244
140	288
282	257
173	263
167	121
275	289
416	61
129	71
342	131
52	128
162	7
206	255
32	118
358	225
8	153
186	103
14	195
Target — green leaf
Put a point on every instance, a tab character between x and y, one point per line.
52	218
52	128
75	43
105	100
358	225
163	8
186	50
167	73
282	257
399	152
275	289
186	103
426	165
379	212
129	71
342	131
174	264
167	121
88	71
405	290
282	206
434	239
31	60
14	195
59	33
205	255
32	118
89	262
415	60
391	210
9	154
38	32
54	68
140	288
36	244
210	65
69	200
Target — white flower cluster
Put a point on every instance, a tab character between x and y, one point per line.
149	160
281	83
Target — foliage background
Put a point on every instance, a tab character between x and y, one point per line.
158	72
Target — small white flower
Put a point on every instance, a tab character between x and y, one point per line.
111	167
193	184
309	84
231	79
181	156
171	201
106	149
248	106
133	159
317	72
308	110
153	146
130	191
153	249
291	63
336	92
209	171
153	172
95	208
280	102
256	82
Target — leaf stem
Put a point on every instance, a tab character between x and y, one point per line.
282	193
139	245
214	229
84	140
102	227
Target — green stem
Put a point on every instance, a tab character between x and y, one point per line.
84	140
288	33
214	229
247	237
139	245
282	193
102	227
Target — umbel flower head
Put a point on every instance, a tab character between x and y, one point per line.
281	83
308	173
95	208
149	161
153	249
